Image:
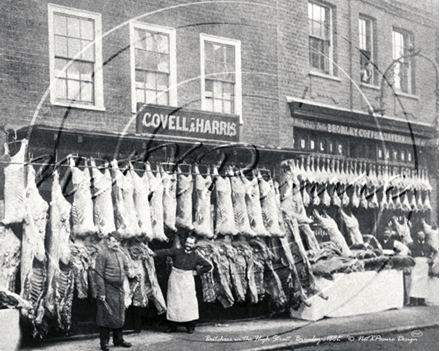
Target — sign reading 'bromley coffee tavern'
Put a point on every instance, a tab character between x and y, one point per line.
184	123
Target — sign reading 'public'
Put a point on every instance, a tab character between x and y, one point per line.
184	123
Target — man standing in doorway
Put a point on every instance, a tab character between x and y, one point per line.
182	306
111	270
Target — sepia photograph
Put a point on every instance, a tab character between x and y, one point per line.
219	175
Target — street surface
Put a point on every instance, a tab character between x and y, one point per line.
416	340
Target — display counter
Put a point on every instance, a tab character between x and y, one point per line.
354	293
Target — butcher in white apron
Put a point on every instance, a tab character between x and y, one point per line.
422	252
182	306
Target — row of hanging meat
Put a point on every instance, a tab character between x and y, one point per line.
352	183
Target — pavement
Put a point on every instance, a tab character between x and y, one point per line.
263	334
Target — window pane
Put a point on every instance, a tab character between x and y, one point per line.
87	31
60	23
59	65
209	104
149	40
88	54
139	39
230	75
218	106
140	78
217	89
218	53
162	43
150	97
227	107
86	70
230	55
60	46
151	81
141	59
163	63
228	91
208	87
153	61
73	71
162	99
73	27
74	47
162	82
73	90
87	92
209	67
61	89
140	95
209	51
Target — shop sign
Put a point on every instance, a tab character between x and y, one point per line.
353	131
184	123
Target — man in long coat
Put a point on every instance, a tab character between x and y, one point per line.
111	270
182	305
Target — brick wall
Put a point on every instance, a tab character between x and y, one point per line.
275	60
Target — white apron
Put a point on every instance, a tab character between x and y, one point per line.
419	278
182	303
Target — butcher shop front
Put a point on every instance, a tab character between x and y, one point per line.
276	224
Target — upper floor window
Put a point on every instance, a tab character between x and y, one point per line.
320	38
153	65
366	51
75	58
403	80
221	74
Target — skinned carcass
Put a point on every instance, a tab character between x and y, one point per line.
141	191
33	255
15	188
403	230
271	283
169	181
244	251
225	222
241	217
60	280
10	251
156	203
153	288
103	213
291	204
352	225
217	282
329	225
203	225
127	222
184	194
253	206
269	207
82	206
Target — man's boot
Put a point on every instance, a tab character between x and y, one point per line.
172	327
413	301
118	339
421	302
190	327
104	344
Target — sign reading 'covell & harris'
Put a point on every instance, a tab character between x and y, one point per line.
187	124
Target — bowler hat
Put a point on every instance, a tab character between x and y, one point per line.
116	235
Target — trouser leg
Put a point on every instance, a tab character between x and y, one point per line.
117	336
104	336
137	319
190	326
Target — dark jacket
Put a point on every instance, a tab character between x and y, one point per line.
421	249
110	272
186	261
